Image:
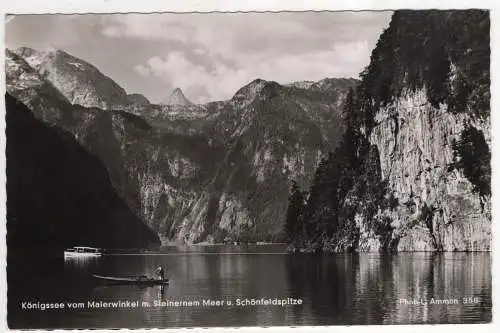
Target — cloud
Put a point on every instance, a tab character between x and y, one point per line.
249	32
112	31
146	26
200	51
142	70
219	81
211	55
215	84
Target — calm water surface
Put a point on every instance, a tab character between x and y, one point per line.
341	289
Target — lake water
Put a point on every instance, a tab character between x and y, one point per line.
334	289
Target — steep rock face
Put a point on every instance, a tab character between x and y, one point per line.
58	195
194	173
412	171
432	131
24	80
415	142
78	81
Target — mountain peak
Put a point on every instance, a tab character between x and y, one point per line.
25	52
256	88
77	80
177	98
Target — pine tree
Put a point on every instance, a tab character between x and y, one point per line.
472	155
294	213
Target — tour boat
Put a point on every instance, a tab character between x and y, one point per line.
83	251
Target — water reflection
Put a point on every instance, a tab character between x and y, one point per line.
379	288
325	283
81	263
342	289
445	276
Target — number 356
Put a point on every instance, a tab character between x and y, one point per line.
470	300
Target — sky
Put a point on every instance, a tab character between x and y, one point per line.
210	55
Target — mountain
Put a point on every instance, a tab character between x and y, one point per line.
270	137
412	170
301	84
59	195
137	99
211	172
326	85
78	81
177	98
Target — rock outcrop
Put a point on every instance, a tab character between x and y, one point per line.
417	155
412	172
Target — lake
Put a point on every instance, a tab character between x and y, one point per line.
251	286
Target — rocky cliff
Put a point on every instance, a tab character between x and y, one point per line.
200	172
59	195
418	164
78	81
413	170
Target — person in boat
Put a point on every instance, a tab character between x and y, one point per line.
160	273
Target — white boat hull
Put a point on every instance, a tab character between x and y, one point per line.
76	254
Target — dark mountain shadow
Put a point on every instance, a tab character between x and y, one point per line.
58	195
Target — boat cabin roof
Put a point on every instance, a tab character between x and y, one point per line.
86	248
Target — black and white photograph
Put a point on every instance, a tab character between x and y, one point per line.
248	169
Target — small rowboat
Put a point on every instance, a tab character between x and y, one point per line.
136	280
